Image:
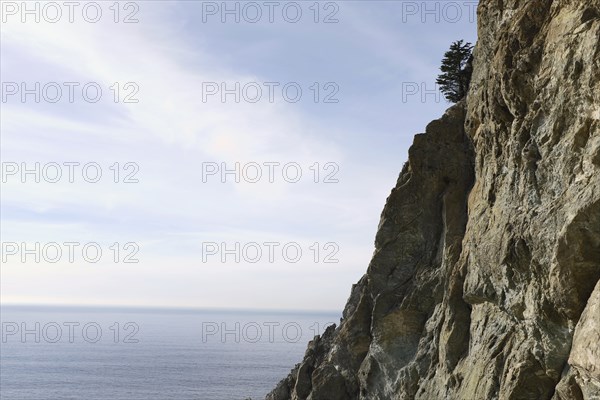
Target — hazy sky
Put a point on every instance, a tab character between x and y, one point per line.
174	128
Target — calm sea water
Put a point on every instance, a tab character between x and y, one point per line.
142	354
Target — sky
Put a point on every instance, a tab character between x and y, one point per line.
208	154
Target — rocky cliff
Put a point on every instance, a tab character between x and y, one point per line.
484	283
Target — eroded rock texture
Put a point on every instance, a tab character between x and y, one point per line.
484	281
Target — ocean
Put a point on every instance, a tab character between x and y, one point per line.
52	353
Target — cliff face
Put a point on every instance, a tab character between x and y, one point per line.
484	283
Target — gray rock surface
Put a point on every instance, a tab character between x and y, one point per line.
582	375
484	280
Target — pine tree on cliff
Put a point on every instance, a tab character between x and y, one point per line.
456	71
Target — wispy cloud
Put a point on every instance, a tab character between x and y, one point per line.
171	132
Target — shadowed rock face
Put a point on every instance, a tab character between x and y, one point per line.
484	281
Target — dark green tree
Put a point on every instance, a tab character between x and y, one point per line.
456	71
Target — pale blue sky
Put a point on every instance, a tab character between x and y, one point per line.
369	54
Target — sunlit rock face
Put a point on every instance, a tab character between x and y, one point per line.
484	280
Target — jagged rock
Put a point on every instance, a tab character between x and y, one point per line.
486	258
581	379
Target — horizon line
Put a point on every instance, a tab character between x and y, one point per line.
127	307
